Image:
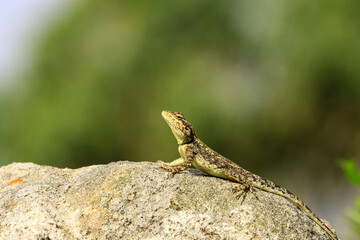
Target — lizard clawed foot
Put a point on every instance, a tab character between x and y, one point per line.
163	163
243	189
160	162
173	170
176	166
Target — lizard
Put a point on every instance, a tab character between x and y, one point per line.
194	152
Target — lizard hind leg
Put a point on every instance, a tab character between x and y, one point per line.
243	188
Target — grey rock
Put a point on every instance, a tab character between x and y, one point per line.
137	200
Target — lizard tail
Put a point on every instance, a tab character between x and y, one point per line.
288	195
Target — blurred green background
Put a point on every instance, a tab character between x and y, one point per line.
272	85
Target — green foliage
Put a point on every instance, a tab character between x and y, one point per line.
351	171
353	175
265	83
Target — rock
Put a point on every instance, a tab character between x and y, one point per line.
137	200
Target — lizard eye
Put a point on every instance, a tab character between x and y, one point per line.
179	115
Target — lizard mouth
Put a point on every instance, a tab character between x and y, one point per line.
165	114
179	126
167	117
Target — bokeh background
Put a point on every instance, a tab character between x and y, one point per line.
272	85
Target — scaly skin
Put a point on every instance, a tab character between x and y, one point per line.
193	151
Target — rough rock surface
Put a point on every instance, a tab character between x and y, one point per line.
137	200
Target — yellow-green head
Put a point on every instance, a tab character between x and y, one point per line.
180	127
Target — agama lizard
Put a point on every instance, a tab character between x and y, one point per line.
193	151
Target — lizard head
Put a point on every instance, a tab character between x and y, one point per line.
180	127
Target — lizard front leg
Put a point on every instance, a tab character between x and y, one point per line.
174	163
179	164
